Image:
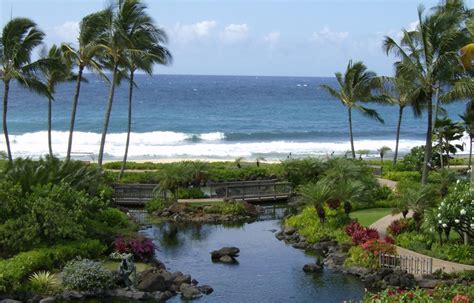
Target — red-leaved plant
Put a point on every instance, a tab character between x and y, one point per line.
142	248
360	234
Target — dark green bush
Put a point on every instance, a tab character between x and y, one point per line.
14	271
412	176
86	274
190	193
155	204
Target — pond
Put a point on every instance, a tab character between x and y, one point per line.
267	271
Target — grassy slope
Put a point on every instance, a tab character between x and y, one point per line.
369	216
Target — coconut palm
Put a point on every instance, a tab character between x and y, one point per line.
85	56
468	123
20	37
355	86
382	151
428	55
53	75
401	92
146	37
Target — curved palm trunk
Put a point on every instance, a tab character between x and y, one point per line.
73	112
5	128
428	144
50	108
397	140
130	92
350	133
107	116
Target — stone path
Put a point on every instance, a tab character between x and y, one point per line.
389	183
449	267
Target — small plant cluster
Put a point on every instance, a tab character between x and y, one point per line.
359	233
367	247
398	226
227	208
43	282
86	274
143	249
441	294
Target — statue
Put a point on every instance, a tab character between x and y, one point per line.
127	268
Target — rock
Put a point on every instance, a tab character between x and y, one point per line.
312	267
48	300
72	294
151	281
299	245
225	251
344	247
226	259
205	289
428	283
357	271
137	295
189	291
194	282
280	236
10	301
182	279
335	259
289	230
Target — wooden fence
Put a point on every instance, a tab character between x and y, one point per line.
417	266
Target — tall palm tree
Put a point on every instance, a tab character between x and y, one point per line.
354	86
427	57
402	92
468	121
19	38
53	75
91	28
143	35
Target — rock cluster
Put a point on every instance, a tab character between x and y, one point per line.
388	277
225	255
182	212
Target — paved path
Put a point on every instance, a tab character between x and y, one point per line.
449	267
391	184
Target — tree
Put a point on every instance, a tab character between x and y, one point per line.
355	86
317	194
54	74
418	199
146	37
19	38
468	123
428	55
402	92
382	151
85	56
446	131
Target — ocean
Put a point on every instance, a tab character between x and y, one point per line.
207	117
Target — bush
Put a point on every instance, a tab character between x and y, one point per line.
143	249
226	208
190	193
399	226
43	282
155	205
357	256
86	274
360	234
400	176
15	270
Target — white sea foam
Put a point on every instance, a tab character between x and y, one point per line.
169	144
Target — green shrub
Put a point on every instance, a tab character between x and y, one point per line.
412	176
190	193
357	256
86	274
43	282
155	205
226	208
14	271
308	224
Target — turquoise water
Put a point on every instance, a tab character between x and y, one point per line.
207	117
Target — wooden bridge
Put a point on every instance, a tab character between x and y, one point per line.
249	191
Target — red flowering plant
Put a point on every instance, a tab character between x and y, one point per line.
143	249
359	233
377	246
398	226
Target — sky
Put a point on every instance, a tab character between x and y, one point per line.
250	37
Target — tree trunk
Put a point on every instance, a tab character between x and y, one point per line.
5	128
50	109
107	116
397	140
470	152
129	129
349	110
428	144
73	112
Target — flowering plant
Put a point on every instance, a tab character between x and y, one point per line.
141	247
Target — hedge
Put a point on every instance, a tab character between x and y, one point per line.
15	270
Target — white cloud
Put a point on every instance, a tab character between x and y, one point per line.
189	32
328	35
272	38
235	33
67	32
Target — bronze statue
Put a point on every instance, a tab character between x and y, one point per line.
127	271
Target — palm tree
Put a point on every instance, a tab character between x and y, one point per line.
238	162
317	194
402	92
427	57
418	199
19	37
382	151
85	56
354	86
55	74
146	37
468	121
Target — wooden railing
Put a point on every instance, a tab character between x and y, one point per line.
417	266
134	194
259	190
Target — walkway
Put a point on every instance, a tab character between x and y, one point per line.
449	267
389	183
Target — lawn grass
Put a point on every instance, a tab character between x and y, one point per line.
369	216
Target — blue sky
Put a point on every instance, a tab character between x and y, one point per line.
250	37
